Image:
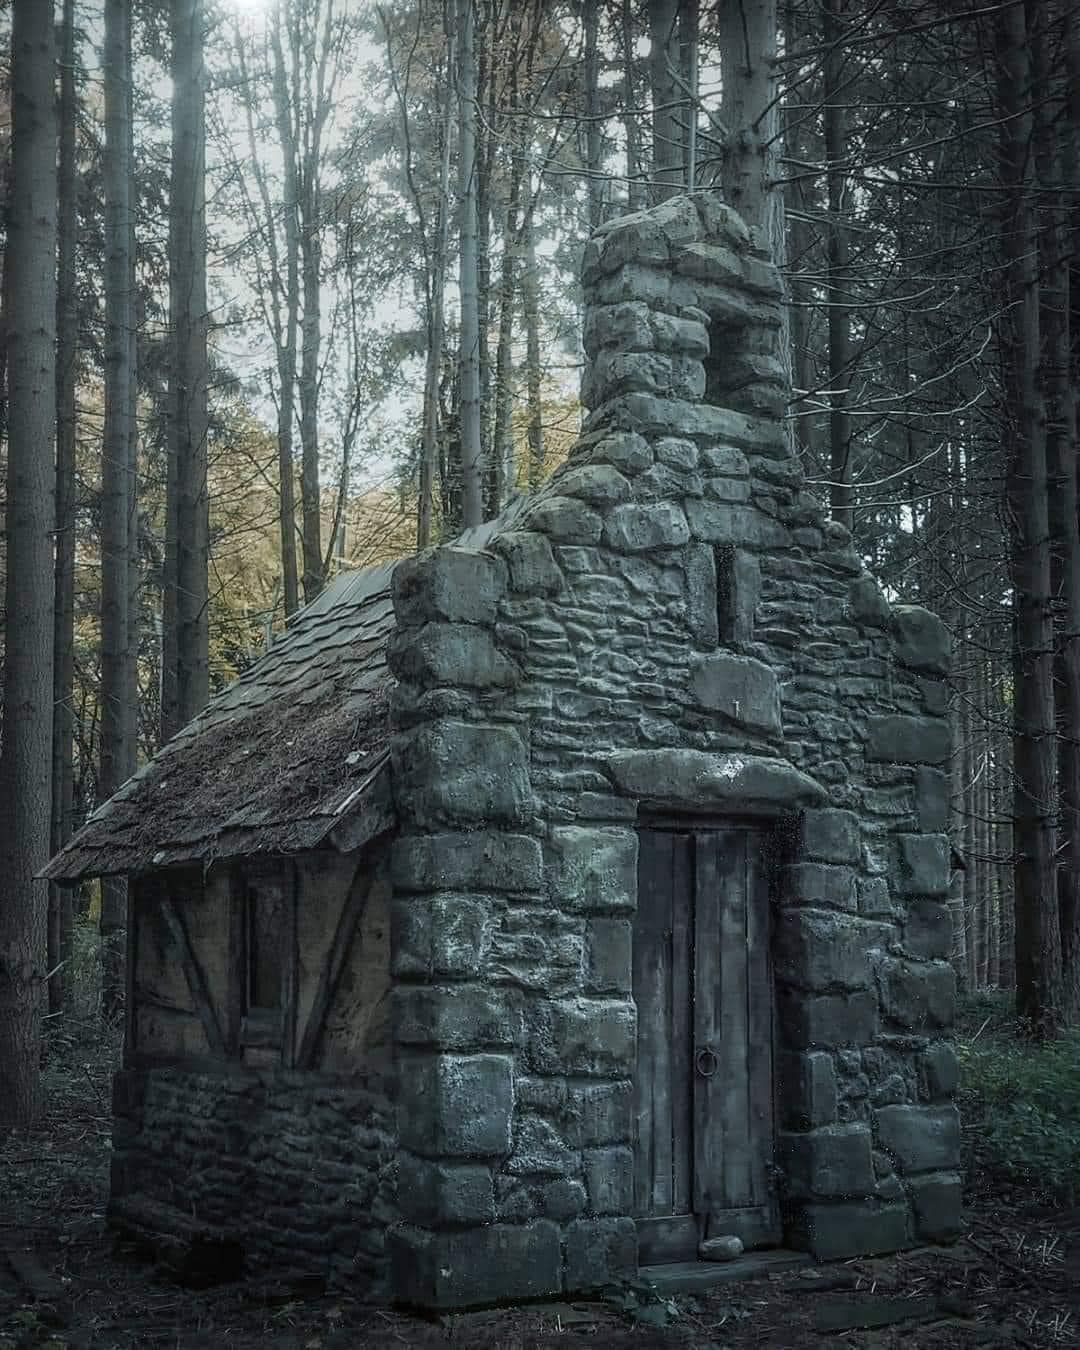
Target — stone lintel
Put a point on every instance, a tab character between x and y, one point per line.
698	780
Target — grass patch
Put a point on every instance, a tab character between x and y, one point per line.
1020	1100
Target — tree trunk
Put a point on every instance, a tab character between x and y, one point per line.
1058	165
530	305
436	334
667	159
189	374
67	332
26	738
746	36
117	708
841	498
1038	936
635	186
593	139
308	180
472	498
503	455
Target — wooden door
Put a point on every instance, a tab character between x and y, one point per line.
704	1080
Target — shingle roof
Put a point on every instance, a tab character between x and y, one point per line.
278	760
292	755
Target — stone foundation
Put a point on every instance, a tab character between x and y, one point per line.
299	1165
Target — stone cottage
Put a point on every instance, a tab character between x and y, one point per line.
543	905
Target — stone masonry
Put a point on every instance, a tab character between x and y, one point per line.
672	621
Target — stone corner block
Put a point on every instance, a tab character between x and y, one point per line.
822	952
442	1194
832	1162
449	772
919	1138
566	520
901	739
920	639
938	1204
599	1252
743	689
833	1232
456	585
924	864
917	996
459	654
474	1266
456	1105
476	860
808	1095
532	566
593	869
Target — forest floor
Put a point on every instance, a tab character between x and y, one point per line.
1014	1280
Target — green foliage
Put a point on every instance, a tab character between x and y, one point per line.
642	1303
1021	1102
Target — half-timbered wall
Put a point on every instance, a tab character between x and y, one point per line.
672	624
257	1090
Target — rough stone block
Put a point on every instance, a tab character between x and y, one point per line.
807	1090
927	931
599	484
924	864
918	997
452	584
455	1017
676	453
455	1105
624	325
685	336
827	1020
698	778
641	527
823	952
939	1073
832	1162
608	949
539	1149
563	1199
932	794
875	899
449	773
743	689
738	582
487	1264
450	654
447	935
833	1232
701	594
829	835
867	603
593	869
439	1194
627	451
599	1113
919	1138
920	639
632	281
600	1252
590	1037
824	884
937	1202
480	860
735	523
711	262
896	738
532	565
566	520
609	1179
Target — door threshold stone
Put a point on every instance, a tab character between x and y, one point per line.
688	1277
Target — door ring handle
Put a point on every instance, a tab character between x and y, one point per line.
706	1062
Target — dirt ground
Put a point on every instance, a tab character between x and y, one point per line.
1014	1280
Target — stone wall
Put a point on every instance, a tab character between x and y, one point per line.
299	1166
671	622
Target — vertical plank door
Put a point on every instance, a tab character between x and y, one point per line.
704	1078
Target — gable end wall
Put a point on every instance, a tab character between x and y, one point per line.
672	621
